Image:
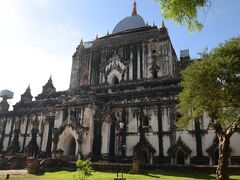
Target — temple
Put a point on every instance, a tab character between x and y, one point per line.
122	101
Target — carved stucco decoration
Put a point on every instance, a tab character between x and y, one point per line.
114	67
114	63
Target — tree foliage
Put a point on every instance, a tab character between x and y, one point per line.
184	12
211	86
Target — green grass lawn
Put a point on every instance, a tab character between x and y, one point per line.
68	175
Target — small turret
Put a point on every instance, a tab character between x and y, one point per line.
81	42
163	24
184	55
48	89
185	59
26	97
163	28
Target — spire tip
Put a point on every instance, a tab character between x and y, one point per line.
134	12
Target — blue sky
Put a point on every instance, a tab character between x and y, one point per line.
39	37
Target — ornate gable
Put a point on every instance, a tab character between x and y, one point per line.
114	62
114	69
179	145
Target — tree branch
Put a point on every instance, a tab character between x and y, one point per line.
232	128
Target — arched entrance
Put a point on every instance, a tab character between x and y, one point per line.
115	80
67	142
144	151
180	158
179	152
72	147
145	159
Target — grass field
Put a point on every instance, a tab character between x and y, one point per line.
68	175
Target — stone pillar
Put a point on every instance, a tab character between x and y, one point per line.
25	134
50	120
55	138
2	132
32	147
14	146
97	135
79	153
170	115
34	142
160	132
106	129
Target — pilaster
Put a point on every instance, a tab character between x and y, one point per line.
106	129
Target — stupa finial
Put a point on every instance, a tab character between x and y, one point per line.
134	12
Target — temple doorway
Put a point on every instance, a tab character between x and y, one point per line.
115	80
180	158
144	159
67	142
72	147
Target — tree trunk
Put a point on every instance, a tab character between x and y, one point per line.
222	168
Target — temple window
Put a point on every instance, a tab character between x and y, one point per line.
154	52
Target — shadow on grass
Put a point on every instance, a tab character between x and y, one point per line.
151	175
199	175
42	173
157	174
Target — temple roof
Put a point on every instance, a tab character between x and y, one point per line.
131	22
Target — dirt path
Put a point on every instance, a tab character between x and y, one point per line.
12	172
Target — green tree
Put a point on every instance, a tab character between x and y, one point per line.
84	169
212	86
184	12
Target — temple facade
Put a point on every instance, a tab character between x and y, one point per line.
121	102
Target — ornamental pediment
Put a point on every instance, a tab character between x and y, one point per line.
114	62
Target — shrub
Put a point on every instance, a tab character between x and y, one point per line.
84	169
